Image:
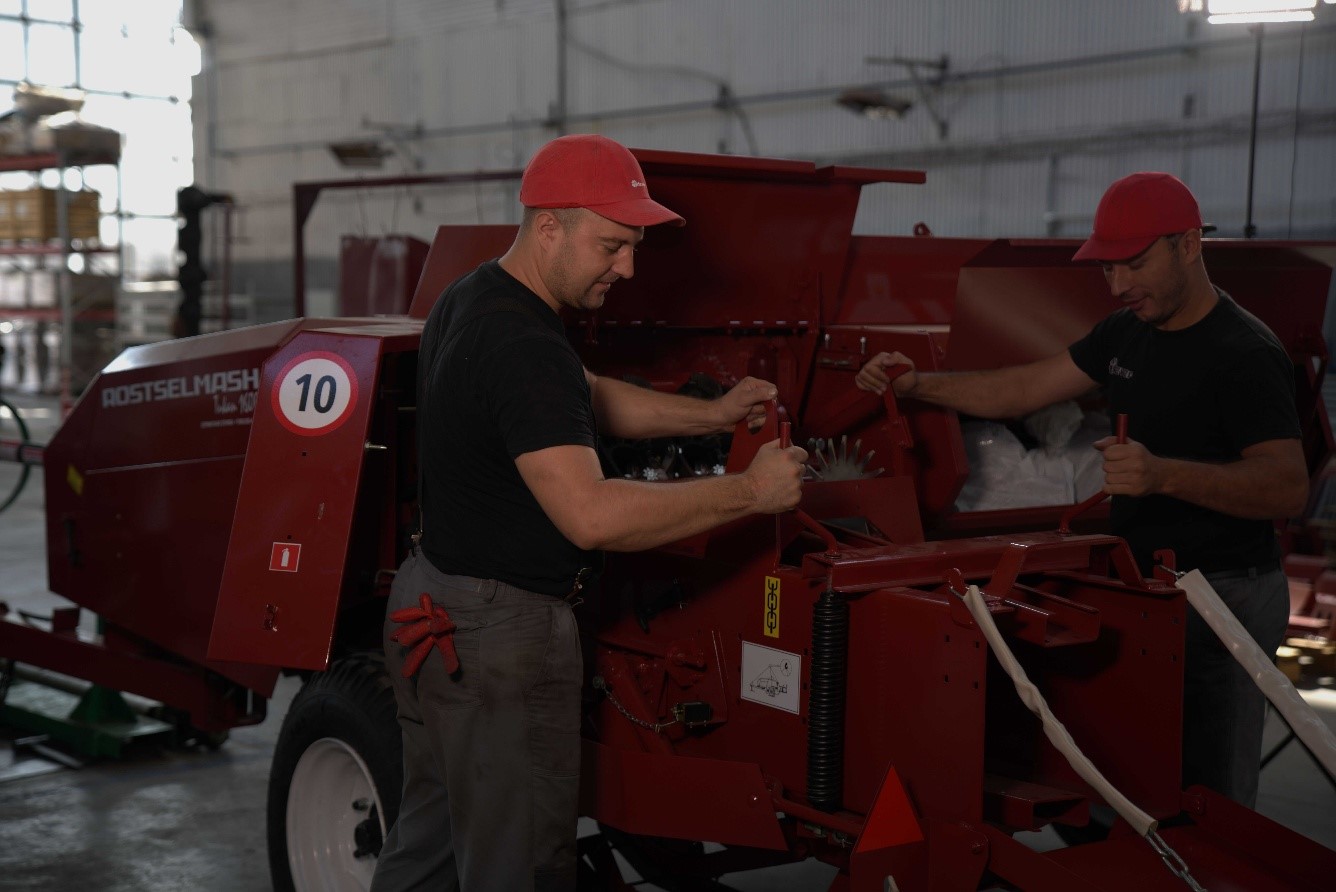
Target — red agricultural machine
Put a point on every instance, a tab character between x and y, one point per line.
234	506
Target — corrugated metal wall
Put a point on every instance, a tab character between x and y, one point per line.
1041	104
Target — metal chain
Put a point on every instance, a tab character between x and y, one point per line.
601	685
1173	861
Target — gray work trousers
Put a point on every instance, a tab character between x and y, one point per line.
1223	709
492	753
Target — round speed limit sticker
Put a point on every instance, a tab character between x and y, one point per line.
315	393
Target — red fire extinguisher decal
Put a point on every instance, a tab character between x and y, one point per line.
285	556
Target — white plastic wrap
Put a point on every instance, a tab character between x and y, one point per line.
1064	469
1307	725
1053	426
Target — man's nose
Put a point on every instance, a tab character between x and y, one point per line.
625	263
1118	278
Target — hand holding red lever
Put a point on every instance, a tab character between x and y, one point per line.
1065	523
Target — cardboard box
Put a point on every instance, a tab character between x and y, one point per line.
6	217
33	215
1317	656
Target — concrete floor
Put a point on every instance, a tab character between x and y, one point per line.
169	819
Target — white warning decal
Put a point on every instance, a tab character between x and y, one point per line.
315	393
771	677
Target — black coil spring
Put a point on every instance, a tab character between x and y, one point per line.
825	712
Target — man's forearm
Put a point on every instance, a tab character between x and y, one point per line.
632	515
1260	489
994	393
625	410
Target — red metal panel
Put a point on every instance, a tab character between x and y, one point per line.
454	251
639	613
864	569
913	671
1283	285
753	254
297	488
903	280
766	242
1102	692
377	276
677	797
134	479
1013	314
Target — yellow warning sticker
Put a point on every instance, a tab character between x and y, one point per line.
74	479
771	624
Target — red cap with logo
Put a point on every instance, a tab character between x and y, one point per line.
591	171
1137	210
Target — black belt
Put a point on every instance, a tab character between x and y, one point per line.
1240	572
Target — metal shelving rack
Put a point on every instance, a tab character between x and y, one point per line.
63	248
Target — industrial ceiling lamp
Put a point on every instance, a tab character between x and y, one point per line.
1232	12
360	154
874	103
1254	13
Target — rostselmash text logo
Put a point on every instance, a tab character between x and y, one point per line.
636	184
181	387
1119	371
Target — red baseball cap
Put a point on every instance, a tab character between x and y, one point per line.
1137	210
590	171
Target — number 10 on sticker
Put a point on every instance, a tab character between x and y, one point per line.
315	393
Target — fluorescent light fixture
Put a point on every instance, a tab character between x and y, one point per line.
1240	18
1230	12
1243	7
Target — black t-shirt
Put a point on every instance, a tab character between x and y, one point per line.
1204	393
498	378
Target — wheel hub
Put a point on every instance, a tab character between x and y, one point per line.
334	823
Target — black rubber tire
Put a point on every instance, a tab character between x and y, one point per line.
353	702
15	426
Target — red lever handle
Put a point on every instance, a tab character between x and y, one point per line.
832	544
1065	522
896	423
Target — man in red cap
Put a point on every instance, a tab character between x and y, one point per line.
515	512
1213	455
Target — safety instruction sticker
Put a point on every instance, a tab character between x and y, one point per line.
771	677
770	624
315	393
285	556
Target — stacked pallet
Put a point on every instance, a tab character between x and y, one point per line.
32	215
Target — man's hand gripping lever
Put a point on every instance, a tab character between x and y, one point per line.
430	627
1065	522
832	544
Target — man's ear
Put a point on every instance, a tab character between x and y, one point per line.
1191	245
546	227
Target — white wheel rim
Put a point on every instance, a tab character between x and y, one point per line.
329	779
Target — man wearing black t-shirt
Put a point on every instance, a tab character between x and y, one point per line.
1213	454
515	512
